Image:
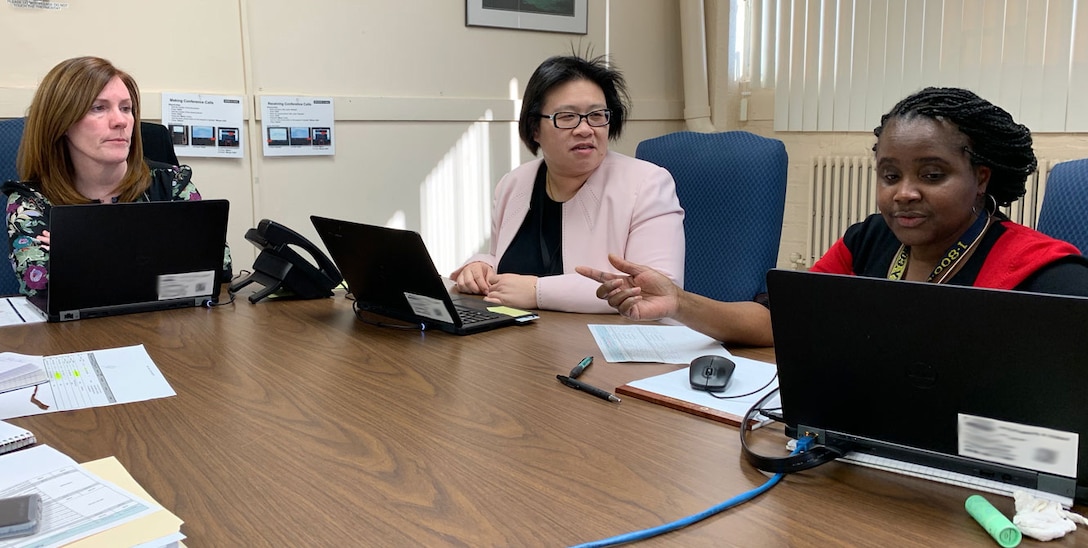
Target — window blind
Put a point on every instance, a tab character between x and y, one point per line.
837	65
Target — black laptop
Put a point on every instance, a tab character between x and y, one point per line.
390	273
986	383
114	259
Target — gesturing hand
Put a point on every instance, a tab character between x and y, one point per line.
642	294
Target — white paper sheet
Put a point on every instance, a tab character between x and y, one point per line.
89	379
75	503
748	376
16	311
654	343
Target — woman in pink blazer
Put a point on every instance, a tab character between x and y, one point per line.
577	204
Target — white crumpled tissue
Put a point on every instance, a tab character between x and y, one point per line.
1043	519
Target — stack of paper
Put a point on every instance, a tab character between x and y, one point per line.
96	504
160	528
19	371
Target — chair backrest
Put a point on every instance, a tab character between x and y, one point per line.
158	143
732	186
11	133
1064	210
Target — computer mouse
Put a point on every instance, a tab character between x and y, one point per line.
711	373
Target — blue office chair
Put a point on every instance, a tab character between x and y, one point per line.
732	186
11	133
1064	213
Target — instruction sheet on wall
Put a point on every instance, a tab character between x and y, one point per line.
207	126
297	126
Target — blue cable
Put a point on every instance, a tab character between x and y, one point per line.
803	444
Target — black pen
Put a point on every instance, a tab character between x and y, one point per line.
582	365
593	390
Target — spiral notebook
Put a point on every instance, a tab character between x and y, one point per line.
13	437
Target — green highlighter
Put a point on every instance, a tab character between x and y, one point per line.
993	521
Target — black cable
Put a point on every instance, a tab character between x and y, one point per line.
819	454
756	391
212	303
359	314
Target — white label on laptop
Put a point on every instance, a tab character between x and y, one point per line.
187	284
428	307
1031	447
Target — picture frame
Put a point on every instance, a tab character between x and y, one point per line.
566	16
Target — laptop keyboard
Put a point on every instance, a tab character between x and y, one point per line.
474	315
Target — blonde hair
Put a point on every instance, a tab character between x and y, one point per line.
63	98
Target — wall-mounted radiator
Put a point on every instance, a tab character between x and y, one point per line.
843	192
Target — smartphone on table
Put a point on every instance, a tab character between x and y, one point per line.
20	516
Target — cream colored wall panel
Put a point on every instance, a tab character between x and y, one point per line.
15	101
190	46
410	48
645	44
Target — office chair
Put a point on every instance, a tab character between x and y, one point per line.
11	133
732	186
1065	204
158	143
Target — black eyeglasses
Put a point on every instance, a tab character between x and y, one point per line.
571	120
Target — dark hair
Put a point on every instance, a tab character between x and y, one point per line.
562	69
995	139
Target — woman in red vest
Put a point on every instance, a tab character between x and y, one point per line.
946	160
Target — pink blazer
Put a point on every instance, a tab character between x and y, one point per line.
627	207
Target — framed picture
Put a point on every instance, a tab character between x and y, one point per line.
547	15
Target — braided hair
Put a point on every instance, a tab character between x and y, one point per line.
995	139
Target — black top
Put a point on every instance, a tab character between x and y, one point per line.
537	247
874	246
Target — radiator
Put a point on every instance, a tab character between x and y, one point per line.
843	192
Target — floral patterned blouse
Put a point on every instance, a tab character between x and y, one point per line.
28	215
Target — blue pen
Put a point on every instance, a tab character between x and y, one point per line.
582	365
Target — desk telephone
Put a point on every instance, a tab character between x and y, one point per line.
279	268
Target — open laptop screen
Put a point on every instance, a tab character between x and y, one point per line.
117	258
939	375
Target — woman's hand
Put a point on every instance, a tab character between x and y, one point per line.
473	278
43	240
516	290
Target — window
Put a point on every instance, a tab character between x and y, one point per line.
837	65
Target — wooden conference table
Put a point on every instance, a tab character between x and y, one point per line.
295	424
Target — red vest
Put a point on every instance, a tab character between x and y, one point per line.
1018	254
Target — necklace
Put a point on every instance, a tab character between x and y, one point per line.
951	258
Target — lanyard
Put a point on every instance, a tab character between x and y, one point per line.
954	253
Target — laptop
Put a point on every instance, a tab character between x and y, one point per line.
106	260
981	382
390	273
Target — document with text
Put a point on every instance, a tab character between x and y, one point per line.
75	502
89	379
654	343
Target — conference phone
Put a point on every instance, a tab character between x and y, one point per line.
283	270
